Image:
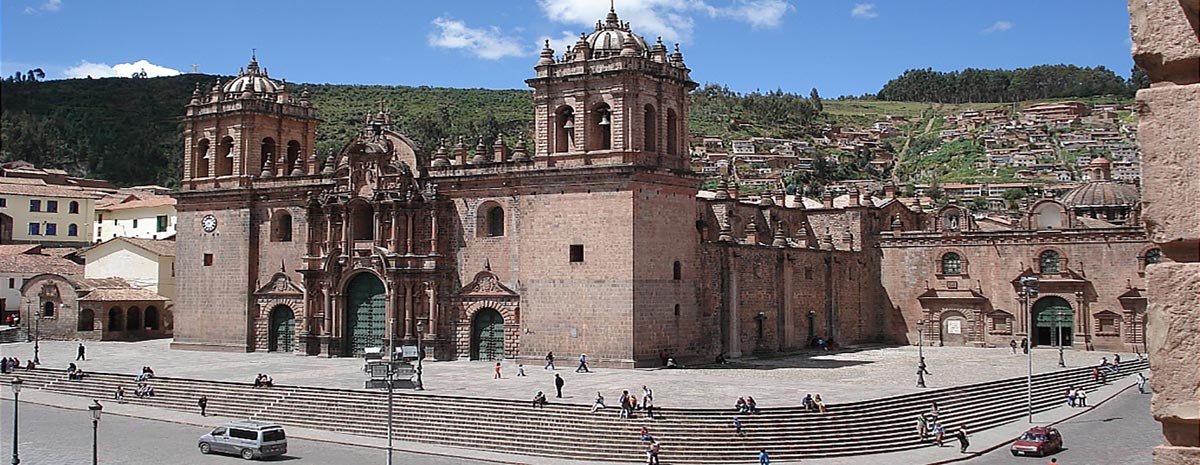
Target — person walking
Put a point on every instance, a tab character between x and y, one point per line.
1081	397
583	368
652	453
763	458
80	353
550	361
520	370
1012	343
922	427
203	403
737	427
963	443
1141	383
648	401
497	376
558	384
1025	345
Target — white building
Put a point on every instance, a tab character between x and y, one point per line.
135	213
18	263
143	263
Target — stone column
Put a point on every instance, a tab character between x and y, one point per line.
408	235
1166	45
433	311
395	245
433	236
409	317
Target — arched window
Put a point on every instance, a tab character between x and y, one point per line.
677	271
202	159
1048	261
72	230
951	264
281	226
601	128
293	157
133	319
73	207
495	221
151	320
650	128
362	218
1153	256
564	130
267	152
115	320
225	157
672	132
87	320
48	310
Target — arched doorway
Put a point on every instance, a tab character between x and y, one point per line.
115	320
1053	321
487	335
283	329
366	312
133	319
151	320
954	329
87	320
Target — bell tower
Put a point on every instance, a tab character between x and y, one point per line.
612	99
249	127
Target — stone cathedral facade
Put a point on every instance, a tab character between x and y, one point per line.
593	238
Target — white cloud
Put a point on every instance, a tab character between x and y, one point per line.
998	26
98	70
490	43
51	6
674	20
864	10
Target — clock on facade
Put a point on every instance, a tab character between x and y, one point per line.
209	223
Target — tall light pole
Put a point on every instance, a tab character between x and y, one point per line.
95	408
16	388
1058	321
1029	290
920	353
391	378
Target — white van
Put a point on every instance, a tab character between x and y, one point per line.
249	439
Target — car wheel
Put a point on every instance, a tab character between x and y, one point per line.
205	448
247	454
1015	453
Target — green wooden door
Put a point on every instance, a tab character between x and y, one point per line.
487	335
1053	321
366	312
283	330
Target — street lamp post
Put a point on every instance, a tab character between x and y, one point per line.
95	408
1058	321
391	378
920	353
418	385
16	388
1029	289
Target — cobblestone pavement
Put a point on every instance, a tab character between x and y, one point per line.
852	374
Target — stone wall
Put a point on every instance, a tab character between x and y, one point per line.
1166	44
214	300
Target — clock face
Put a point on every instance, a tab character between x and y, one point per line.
209	223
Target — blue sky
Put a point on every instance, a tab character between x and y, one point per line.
839	47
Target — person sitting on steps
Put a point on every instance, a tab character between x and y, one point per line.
539	400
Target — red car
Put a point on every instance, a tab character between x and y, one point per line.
1039	441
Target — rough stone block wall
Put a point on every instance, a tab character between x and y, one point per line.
212	301
664	233
1166	45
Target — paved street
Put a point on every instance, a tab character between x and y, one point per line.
849	375
55	436
1119	432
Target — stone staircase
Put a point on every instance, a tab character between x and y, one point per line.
570	431
9	334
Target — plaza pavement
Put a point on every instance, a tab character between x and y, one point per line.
855	373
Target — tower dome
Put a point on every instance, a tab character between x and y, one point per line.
1099	194
610	36
254	80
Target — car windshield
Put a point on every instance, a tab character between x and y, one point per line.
273	435
1033	437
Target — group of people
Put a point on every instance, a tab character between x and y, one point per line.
144	390
746	404
10	364
1012	344
146	374
263	380
929	424
581	368
74	373
1076	397
813	403
652	447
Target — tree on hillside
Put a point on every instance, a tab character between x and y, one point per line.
815	99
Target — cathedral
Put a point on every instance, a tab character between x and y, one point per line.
596	238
